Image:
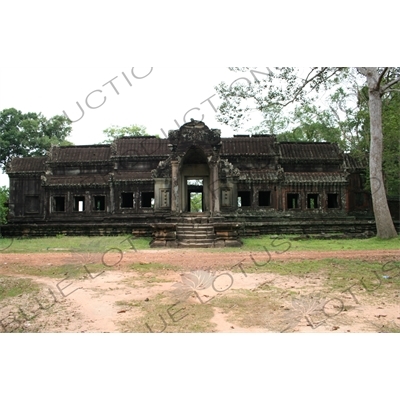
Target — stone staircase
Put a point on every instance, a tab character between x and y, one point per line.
195	232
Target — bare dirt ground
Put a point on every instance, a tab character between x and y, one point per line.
222	299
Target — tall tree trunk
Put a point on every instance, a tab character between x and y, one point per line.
384	222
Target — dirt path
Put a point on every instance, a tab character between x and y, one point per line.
125	300
192	259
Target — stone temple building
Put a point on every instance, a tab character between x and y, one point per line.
145	185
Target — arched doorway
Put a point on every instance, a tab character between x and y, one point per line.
195	182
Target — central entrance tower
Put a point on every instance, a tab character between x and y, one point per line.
195	182
194	167
188	186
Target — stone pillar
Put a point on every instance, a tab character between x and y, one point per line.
342	192
175	187
216	208
112	198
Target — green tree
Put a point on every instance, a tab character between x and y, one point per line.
116	132
4	193
314	124
287	86
391	137
30	134
391	143
196	202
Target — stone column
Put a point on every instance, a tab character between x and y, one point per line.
215	189
175	187
112	198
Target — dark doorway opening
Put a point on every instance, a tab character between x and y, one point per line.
195	190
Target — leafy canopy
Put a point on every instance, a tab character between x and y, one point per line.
116	132
30	134
4	193
286	87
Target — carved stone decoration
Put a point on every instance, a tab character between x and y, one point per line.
163	170
49	153
346	172
165	198
280	173
196	132
114	149
227	170
226	197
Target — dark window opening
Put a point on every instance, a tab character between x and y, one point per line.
313	201
59	204
333	200
148	200
244	199
126	200
360	199
264	199
293	200
32	204
79	203
100	203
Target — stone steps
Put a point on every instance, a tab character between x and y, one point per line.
197	244
189	234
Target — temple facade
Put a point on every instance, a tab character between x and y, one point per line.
146	185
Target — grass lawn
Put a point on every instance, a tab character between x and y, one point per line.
68	244
126	243
285	243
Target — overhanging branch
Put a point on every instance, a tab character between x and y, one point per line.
390	84
382	75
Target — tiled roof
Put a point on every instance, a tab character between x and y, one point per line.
309	151
314	177
352	163
128	176
258	175
73	154
142	147
292	177
28	164
248	145
80	180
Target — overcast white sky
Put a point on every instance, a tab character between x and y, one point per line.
156	101
55	54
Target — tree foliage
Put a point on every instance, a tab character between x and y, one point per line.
196	202
4	193
391	143
30	134
116	132
286	87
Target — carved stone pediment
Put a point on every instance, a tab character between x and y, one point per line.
195	132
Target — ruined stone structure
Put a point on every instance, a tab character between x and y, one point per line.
247	185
